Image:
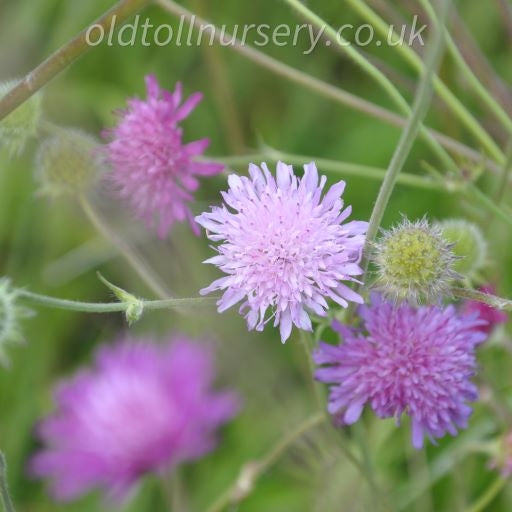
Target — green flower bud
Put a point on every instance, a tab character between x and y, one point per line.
415	263
10	315
68	163
22	123
468	243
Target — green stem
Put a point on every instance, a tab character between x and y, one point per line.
492	491
65	56
455	105
250	473
385	83
4	488
491	300
109	307
334	167
421	103
130	255
480	89
322	88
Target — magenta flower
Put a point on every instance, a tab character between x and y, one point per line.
151	166
413	361
283	246
492	316
143	408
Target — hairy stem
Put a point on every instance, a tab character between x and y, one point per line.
250	473
491	300
65	56
109	307
128	253
4	488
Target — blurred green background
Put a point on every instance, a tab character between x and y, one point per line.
49	246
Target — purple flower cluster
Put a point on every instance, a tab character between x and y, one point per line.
417	361
492	316
145	407
151	166
283	246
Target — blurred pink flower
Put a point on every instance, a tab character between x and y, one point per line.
413	361
492	316
283	246
145	407
151	166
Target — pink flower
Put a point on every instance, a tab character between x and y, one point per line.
492	316
151	166
283	246
404	360
145	407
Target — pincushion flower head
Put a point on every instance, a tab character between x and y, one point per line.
284	246
151	165
417	361
415	263
143	408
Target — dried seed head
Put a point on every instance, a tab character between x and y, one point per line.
68	163
415	263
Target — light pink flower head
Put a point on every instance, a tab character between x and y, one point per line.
284	246
151	166
145	407
417	361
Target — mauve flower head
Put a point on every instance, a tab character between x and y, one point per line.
416	361
151	166
492	316
283	246
145	407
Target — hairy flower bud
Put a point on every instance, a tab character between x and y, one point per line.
468	243
415	263
68	163
22	123
10	315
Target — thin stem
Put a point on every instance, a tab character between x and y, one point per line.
474	192
421	103
385	83
4	488
130	255
455	105
322	88
335	167
109	307
492	491
250	473
491	300
65	56
480	89
308	343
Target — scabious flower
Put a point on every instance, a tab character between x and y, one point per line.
492	316
283	246
151	166
415	263
143	408
406	360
